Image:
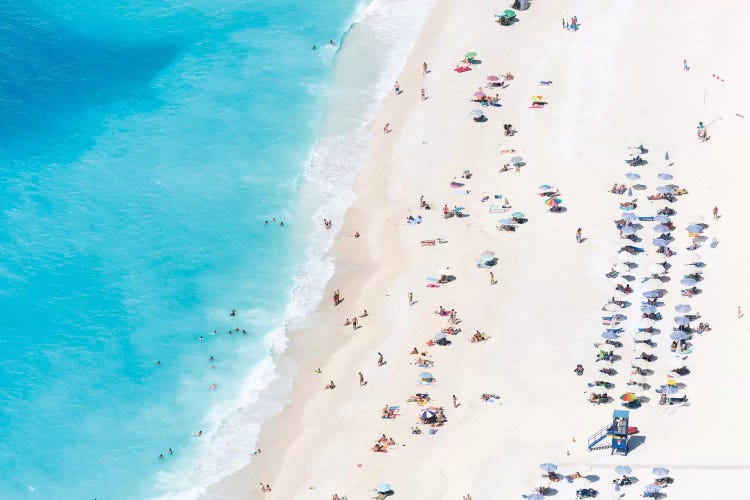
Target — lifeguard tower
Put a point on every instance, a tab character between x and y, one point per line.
617	431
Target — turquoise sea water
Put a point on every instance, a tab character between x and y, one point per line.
142	146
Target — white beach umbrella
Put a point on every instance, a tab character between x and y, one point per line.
642	336
445	272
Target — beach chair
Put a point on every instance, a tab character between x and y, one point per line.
497	209
427	243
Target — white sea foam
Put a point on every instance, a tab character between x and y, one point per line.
385	31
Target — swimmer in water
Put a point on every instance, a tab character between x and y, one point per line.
213	387
233	313
211	359
200	338
330	42
315	47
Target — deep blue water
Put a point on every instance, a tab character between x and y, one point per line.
142	146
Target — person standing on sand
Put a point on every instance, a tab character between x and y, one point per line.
492	278
386	129
362	380
354	323
381	361
685	66
579	238
411	298
397	88
739	312
455	401
423	94
424	68
716	213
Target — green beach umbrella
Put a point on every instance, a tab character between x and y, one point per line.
470	55
517	215
509	13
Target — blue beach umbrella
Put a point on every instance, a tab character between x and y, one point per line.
668	389
427	414
664	189
535	496
653	488
545	187
652	294
695	228
632	175
660	242
679	336
661	228
629	230
383	488
660	471
648	309
661	218
507	221
623	469
666	155
688	282
682	320
425	375
683	308
629	217
665	177
609	335
548	467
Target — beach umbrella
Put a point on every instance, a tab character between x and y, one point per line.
694	257
493	78
545	187
642	336
548	467
517	215
629	217
553	202
623	469
653	488
479	94
660	242
676	362
470	55
695	228
665	177
440	336
648	309
678	335
632	176
516	159
535	496
672	186
629	397
655	269
427	414
383	488
682	320
509	14
664	189
507	221
668	389
622	268
661	228
683	308
663	219
688	282
629	230
426	376
446	271
609	335
652	294
660	471
619	317
633	150
477	113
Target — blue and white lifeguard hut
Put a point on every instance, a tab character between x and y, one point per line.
617	431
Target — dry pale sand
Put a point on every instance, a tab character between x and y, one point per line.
618	80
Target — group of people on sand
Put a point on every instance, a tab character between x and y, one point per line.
382	444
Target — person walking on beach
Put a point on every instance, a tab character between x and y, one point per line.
423	94
397	88
424	68
739	312
578	235
492	278
455	401
411	298
354	323
716	213
381	361
362	380
386	129
685	66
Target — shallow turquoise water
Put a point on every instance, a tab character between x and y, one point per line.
142	147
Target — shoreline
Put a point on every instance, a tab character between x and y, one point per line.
378	276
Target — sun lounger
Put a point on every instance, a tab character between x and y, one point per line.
498	209
647	218
427	243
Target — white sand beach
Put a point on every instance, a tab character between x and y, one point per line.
617	81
